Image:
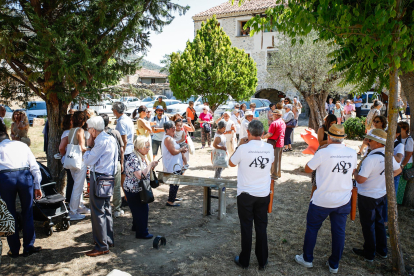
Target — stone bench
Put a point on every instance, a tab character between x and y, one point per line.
207	184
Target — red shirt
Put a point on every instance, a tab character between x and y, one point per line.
206	117
278	128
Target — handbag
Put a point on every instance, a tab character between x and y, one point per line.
206	127
292	123
73	156
7	222
104	184
146	196
220	159
408	174
154	180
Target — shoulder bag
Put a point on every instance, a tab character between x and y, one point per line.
292	123
7	222
104	184
73	156
154	183
146	196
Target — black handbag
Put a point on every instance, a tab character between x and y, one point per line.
408	174
146	196
154	183
292	123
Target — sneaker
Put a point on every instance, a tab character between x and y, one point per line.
299	259
360	253
118	213
76	216
83	210
381	256
331	270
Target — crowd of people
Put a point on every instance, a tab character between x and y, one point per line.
126	155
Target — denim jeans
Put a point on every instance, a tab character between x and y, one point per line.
316	216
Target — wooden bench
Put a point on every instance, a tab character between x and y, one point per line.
207	184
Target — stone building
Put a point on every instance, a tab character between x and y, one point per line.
259	46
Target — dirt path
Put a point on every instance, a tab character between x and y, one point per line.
198	245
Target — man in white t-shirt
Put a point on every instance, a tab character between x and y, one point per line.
372	194
248	117
254	158
334	164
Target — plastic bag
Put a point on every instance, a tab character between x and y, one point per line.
220	159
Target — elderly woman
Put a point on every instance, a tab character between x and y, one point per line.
236	118
370	122
205	120
229	133
243	109
138	165
172	159
20	127
144	128
64	141
79	137
289	116
272	107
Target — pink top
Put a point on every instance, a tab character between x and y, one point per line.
278	128
348	109
206	117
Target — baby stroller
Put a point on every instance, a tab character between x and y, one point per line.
51	208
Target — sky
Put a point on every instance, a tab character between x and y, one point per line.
175	36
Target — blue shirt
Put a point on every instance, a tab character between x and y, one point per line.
125	126
103	154
159	124
357	104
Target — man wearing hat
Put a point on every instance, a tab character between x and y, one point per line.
158	129
276	137
372	194
334	164
161	103
248	117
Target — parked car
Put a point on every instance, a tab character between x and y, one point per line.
9	112
153	98
131	102
262	106
36	109
181	108
368	100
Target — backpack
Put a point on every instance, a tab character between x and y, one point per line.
117	143
206	127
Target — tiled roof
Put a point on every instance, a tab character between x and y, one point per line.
147	73
228	9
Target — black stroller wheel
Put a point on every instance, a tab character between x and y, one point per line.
49	231
65	224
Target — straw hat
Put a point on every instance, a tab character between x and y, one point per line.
378	135
336	131
248	113
277	111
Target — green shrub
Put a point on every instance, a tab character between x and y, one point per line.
265	122
355	128
7	122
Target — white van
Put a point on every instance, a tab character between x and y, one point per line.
367	101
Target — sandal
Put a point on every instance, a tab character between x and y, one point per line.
285	150
290	149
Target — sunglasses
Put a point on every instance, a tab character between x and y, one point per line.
377	121
286	101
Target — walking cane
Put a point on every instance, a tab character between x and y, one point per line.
272	191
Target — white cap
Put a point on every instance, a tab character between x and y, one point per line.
248	113
96	122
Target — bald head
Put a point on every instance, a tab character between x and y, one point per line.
2	111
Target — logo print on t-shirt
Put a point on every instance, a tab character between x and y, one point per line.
342	167
260	161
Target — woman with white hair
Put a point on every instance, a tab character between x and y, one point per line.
369	122
229	133
236	118
138	165
289	116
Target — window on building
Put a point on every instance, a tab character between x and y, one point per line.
152	80
271	59
243	32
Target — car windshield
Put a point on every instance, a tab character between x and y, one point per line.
147	99
36	106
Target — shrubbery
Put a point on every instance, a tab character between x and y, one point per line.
355	128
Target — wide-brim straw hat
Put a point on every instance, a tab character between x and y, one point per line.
248	113
336	131
277	111
378	135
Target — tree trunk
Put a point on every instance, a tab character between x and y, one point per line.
316	103
56	110
397	256
407	85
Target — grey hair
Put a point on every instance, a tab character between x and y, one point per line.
168	125
119	107
255	128
336	140
221	124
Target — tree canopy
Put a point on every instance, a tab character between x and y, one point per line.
212	68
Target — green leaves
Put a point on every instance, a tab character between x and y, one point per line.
212	68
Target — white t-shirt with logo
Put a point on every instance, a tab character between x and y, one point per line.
399	149
409	146
334	166
253	174
373	168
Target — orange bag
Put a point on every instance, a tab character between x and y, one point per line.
354	201
272	190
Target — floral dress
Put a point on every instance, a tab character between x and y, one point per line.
132	165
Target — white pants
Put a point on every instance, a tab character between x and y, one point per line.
230	143
76	200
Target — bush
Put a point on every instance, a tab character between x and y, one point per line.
355	128
7	122
265	122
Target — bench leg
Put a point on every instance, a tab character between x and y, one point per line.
222	202
207	201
